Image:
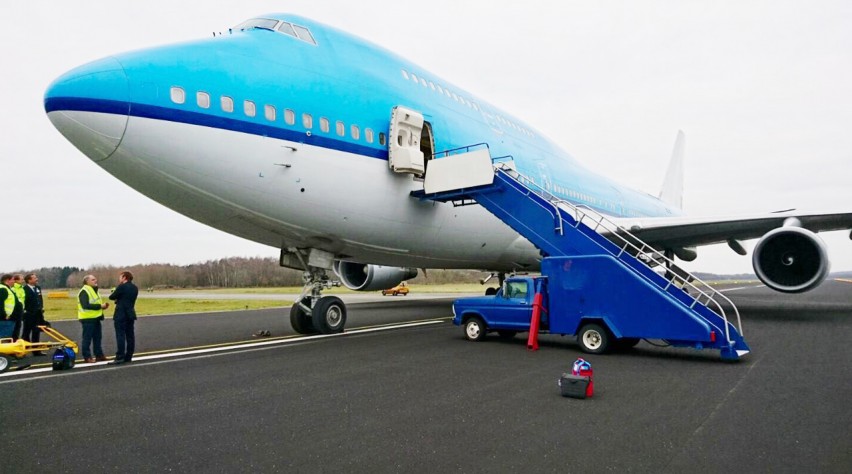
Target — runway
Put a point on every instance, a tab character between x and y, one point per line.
422	399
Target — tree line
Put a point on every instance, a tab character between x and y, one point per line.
231	272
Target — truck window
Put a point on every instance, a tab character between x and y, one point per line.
516	289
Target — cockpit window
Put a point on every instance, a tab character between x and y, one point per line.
264	23
304	34
289	29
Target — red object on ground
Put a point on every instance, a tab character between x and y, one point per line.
532	341
584	369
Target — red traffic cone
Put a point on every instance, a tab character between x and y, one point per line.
532	341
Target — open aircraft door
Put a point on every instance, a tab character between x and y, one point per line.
404	152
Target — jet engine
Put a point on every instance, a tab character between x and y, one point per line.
790	259
366	277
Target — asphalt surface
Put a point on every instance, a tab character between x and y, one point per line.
423	399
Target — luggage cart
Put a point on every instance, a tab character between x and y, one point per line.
11	350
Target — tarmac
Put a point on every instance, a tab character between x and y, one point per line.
388	396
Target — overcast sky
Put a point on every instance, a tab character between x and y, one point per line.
762	89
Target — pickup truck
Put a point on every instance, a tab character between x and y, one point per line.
510	312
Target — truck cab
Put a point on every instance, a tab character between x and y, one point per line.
508	312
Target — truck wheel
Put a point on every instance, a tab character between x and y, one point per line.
329	315
301	322
4	364
474	329
384	293
593	339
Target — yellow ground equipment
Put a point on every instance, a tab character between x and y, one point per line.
14	350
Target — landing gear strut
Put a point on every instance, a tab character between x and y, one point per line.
491	290
313	313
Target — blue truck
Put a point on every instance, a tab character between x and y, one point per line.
582	296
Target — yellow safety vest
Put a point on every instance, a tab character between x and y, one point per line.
9	302
19	292
94	298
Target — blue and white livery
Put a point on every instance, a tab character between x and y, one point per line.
283	131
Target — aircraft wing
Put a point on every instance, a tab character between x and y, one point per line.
681	232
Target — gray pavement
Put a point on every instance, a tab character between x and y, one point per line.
425	400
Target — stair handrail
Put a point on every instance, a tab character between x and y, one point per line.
465	148
617	231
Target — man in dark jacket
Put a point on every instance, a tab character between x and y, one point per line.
124	318
33	309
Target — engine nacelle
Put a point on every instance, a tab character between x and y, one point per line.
791	260
363	277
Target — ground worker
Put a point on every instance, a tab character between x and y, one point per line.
90	312
12	309
33	310
18	288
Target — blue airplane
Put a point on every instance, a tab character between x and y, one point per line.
291	133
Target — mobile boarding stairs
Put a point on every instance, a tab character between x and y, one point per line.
597	269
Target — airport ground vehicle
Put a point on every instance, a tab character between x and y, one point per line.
584	296
599	281
401	289
11	350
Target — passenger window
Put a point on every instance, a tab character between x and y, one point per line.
269	112
324	124
368	135
304	34
404	74
202	99
227	103
289	117
414	77
177	95
287	29
355	131
341	128
249	108
381	138
308	121
432	85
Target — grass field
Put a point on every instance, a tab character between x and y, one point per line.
56	309
61	304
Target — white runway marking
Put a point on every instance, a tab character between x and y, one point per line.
741	288
232	347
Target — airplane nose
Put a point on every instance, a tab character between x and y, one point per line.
89	105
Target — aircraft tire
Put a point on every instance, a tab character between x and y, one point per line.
301	322
593	339
329	315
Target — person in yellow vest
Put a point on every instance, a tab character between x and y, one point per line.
90	312
18	288
10	308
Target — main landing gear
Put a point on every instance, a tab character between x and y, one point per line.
313	313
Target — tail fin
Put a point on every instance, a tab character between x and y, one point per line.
672	191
